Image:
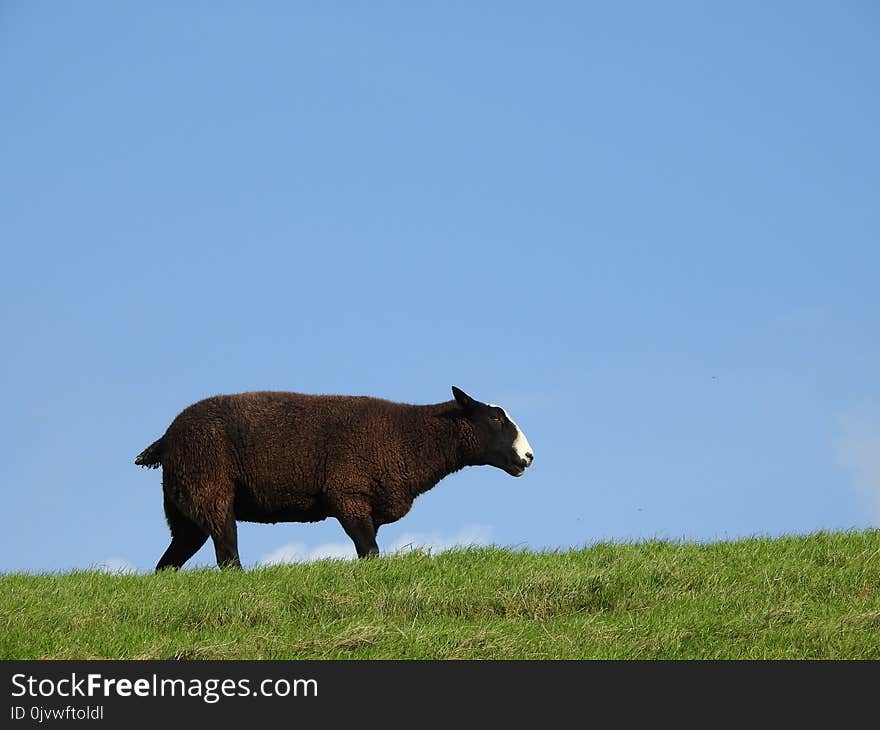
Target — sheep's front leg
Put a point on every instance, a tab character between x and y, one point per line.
362	532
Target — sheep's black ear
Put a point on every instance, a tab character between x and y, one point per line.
463	399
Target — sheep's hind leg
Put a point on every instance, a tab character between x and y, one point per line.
225	537
186	539
362	533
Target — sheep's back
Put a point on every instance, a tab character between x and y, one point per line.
282	440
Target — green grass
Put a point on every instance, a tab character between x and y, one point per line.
795	597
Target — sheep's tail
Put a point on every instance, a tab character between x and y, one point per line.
151	457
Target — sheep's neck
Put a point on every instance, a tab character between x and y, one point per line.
439	454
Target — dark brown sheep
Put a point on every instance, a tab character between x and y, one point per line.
289	457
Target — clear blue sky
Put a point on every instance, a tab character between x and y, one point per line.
651	231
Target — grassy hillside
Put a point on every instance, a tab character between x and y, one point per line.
815	596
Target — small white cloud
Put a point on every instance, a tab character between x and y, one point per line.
297	552
116	566
859	451
436	543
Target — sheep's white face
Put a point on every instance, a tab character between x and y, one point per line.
522	449
502	442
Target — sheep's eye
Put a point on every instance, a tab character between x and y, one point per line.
494	417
